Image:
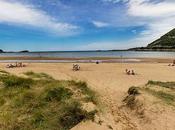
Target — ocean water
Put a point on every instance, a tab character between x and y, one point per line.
86	54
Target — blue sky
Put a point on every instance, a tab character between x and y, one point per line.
83	24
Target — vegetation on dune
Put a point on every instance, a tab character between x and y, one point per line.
90	95
130	99
14	81
3	72
38	75
170	85
157	89
164	91
40	104
133	90
58	94
164	96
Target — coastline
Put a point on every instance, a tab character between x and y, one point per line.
85	60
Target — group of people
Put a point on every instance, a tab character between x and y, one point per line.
130	72
76	67
17	64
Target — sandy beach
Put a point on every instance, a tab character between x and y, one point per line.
110	82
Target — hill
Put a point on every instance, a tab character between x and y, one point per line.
167	40
164	43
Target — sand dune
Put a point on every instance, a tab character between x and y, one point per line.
111	82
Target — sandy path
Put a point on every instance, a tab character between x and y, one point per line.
108	79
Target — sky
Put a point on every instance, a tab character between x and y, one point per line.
67	25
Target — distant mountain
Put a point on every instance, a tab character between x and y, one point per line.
167	40
24	51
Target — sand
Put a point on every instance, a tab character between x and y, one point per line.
111	83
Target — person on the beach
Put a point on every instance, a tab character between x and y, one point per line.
127	72
132	72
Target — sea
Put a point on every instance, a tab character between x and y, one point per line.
89	54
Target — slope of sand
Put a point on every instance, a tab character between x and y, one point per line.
111	82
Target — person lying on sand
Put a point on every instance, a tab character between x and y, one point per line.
9	66
20	64
128	72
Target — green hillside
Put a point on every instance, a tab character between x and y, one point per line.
167	40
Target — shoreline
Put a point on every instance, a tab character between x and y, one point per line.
85	60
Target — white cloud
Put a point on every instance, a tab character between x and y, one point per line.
20	14
157	17
145	8
116	1
100	24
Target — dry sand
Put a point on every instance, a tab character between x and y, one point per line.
111	82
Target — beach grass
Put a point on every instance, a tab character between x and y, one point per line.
162	90
26	103
91	96
31	74
164	96
170	85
